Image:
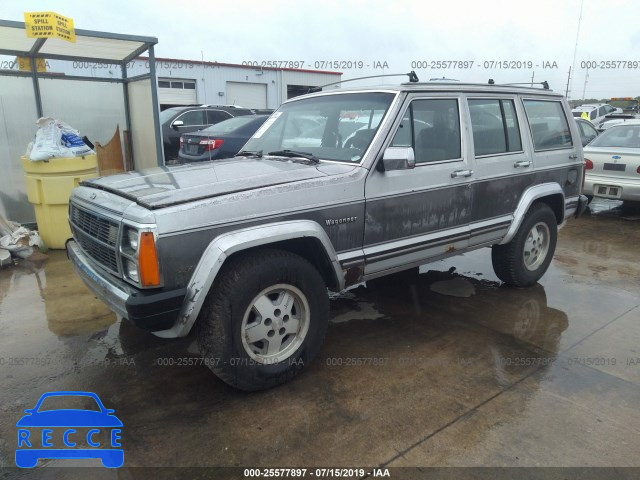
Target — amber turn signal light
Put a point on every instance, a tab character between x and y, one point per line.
148	261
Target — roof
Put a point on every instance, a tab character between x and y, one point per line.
634	121
235	65
89	45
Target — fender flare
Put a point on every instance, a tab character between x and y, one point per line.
229	243
528	197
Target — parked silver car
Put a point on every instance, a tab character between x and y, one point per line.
334	189
613	163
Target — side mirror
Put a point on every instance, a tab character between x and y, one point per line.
177	123
397	158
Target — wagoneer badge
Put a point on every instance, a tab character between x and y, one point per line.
339	221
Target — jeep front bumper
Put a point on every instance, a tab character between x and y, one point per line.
157	310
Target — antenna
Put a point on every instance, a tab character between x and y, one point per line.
575	50
413	78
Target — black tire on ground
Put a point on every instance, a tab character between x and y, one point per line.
508	260
219	325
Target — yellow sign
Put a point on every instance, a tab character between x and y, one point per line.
49	25
585	115
25	65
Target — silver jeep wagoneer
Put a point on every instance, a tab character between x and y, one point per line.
335	188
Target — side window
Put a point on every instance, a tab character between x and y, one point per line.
593	114
495	127
602	111
549	127
435	130
404	137
216	116
193	117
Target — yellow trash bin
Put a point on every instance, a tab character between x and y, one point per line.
49	186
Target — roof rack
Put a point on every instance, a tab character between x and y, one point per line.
413	78
545	84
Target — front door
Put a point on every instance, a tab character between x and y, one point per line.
418	214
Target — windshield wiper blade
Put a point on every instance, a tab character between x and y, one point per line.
247	153
294	154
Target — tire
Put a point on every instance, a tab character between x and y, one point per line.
263	280
517	267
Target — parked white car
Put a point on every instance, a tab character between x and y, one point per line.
613	163
597	112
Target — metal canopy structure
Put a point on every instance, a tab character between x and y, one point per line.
90	46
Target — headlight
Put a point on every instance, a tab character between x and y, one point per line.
131	270
132	239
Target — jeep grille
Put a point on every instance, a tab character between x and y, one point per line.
97	235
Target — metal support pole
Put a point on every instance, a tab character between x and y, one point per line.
127	112
156	106
36	86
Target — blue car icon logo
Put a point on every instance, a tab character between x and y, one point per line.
89	432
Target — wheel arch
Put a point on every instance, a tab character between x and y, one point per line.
549	193
303	237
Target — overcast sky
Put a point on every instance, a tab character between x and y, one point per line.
398	33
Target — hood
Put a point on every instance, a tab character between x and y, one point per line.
165	186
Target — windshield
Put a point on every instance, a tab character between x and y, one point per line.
332	127
626	136
165	115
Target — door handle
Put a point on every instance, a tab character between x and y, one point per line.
522	164
461	173
573	157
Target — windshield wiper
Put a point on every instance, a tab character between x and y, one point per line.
294	154
247	153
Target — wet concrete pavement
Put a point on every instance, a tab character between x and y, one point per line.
446	368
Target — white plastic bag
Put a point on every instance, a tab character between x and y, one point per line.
21	242
71	139
56	139
48	143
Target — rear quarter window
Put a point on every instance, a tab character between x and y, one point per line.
548	124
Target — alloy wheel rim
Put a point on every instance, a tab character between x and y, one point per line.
275	324
536	246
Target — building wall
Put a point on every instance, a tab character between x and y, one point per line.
211	78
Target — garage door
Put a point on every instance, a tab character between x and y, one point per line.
177	92
248	95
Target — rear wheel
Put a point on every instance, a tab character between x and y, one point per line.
264	319
524	260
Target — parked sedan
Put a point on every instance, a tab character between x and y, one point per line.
177	121
222	140
613	163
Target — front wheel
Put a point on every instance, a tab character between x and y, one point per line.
524	260
264	319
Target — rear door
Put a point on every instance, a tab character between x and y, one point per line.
557	149
417	214
503	165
